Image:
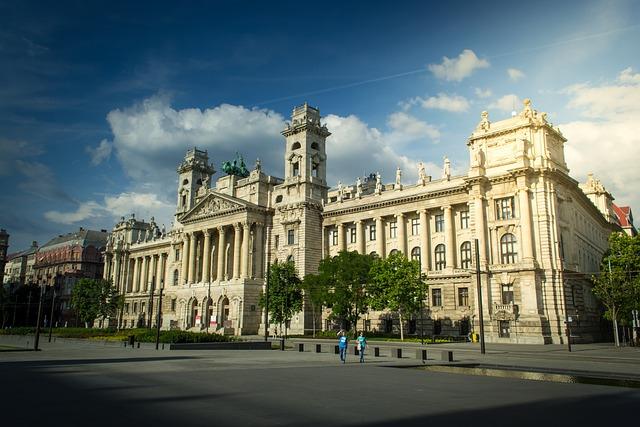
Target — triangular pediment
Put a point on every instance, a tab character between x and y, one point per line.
214	204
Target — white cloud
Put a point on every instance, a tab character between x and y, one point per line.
454	103
627	76
355	149
100	153
515	74
144	205
483	93
610	126
459	68
507	103
151	138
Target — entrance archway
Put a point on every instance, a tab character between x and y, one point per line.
224	312
195	314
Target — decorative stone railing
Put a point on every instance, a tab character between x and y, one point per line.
504	311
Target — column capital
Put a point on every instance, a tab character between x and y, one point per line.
237	226
220	228
399	215
359	221
446	207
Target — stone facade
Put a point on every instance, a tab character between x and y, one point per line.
540	236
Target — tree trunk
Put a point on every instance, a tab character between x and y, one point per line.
616	338
401	326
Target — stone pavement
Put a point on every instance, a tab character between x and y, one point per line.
79	383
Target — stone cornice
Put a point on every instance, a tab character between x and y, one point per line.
396	202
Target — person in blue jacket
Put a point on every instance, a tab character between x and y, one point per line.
362	344
342	345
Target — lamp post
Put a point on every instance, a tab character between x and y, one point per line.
37	339
159	317
266	304
479	289
53	302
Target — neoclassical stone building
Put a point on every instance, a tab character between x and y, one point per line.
540	236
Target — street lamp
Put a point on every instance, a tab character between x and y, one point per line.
53	302
37	339
159	317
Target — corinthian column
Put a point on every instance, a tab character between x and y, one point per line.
192	258
360	237
525	222
185	258
206	256
221	270
425	250
402	234
449	237
246	234
236	250
341	242
380	237
481	229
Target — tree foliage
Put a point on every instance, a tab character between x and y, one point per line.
398	285
95	298
284	293
344	280
315	294
618	284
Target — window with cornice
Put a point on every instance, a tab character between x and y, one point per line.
505	208
415	226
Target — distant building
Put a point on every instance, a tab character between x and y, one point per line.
625	219
19	268
541	236
4	246
68	258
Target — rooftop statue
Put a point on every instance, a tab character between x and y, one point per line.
236	167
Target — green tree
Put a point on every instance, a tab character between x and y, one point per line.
316	294
95	298
397	285
344	279
285	294
618	284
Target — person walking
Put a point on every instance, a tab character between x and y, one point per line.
342	345
362	344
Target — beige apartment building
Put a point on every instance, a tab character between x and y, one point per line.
541	236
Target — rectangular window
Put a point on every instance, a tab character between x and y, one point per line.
352	234
464	219
436	298
505	330
507	294
126	308
437	327
393	229
505	208
334	237
291	237
415	226
135	307
173	304
177	253
439	218
463	297
143	306
372	232
277	241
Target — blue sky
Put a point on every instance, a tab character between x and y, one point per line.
100	100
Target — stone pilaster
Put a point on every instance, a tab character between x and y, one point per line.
402	233
206	257
425	249
185	258
192	258
449	236
360	242
380	249
221	270
246	235
236	250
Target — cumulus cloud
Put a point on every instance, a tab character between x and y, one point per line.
507	103
611	113
483	93
144	205
355	149
100	153
152	137
459	68
515	74
454	103
627	76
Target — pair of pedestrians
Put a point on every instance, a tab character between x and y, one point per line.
343	344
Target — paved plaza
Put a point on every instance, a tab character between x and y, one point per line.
75	383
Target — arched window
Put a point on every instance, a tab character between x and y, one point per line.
175	277
465	255
508	249
291	259
314	145
440	257
374	254
393	252
415	254
295	146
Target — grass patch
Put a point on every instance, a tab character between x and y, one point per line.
141	335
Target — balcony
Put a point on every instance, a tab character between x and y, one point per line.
504	311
